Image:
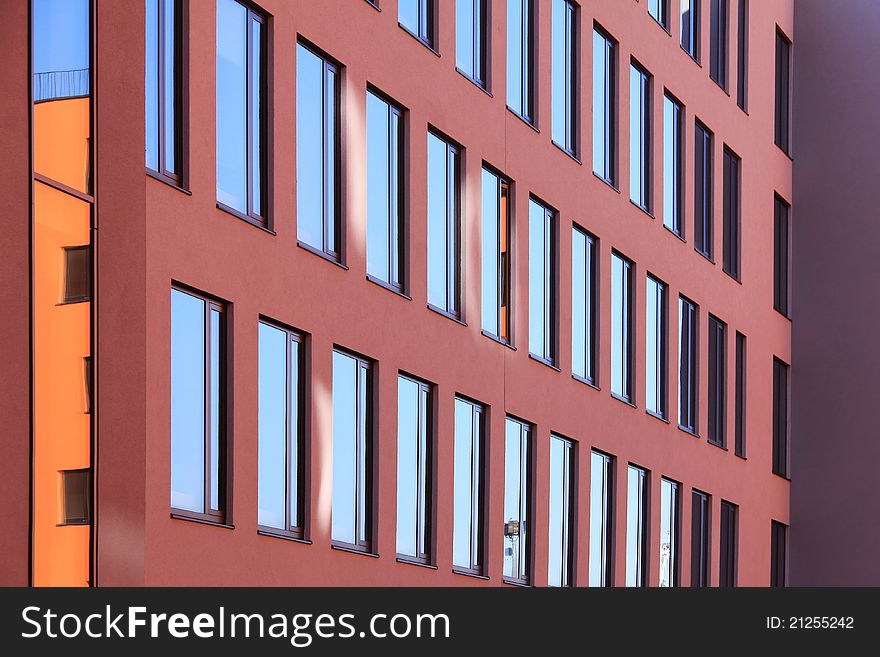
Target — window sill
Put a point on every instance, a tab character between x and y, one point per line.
446	314
155	175
716	444
495	338
586	382
690	432
523	119
567	152
544	361
741	456
784	152
417	38
656	415
678	236
784	314
642	208
374	5
479	85
244	217
606	181
457	571
783	476
321	254
283	536
352	550
200	520
388	286
413	562
694	59
516	582
720	86
623	400
735	278
705	255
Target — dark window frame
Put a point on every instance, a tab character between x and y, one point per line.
568	576
742	56
643	570
335	252
181	95
694	32
612	83
778	554
781	255
704	186
662	348
572	87
366	488
71	291
781	423
688	418
429	521
719	49
528	503
663	10
481	46
480	429
88	381
427	30
529	49
646	192
716	424
609	524
504	275
264	220
455	183
629	328
80	478
731	215
729	549
678	179
303	483
592	303
223	514
675	535
701	533
782	102
740	395
400	251
551	323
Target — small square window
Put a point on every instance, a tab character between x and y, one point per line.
76	497
77	274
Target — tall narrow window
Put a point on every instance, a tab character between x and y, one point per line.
317	152
742	55
659	10
690	27
76	497
637	526
604	107
444	225
701	506
415	445
727	570
717	393
640	137
164	88
780	418
687	365
583	305
740	394
703	190
542	281
563	507
281	395
385	192
496	252
198	437
718	17
778	549
673	168
621	327
468	530
781	242
352	512
731	214
520	58
655	347
783	91
471	44
241	111
77	274
417	16
517	501
565	75
601	518
669	532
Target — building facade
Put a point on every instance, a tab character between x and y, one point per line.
406	292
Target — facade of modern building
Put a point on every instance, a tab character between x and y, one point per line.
406	292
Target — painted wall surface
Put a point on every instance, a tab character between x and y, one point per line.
834	534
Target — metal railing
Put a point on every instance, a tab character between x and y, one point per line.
54	85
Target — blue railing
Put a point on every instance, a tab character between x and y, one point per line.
54	85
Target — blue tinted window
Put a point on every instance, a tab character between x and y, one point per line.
542	283
603	106
467	529
163	63
690	27
413	467
583	299
561	538
417	17
669	558
470	38
636	527
517	493
564	74
672	164
496	255
655	347
621	326
659	9
639	138
687	364
601	522
240	114
444	212
519	57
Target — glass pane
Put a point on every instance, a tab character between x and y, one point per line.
215	410
620	326
558	516
407	466
637	118
635	513
581	304
654	346
465	30
558	65
309	147
516	16
438	219
465	489
378	188
256	108
187	402
363	430
394	218
671	165
408	14
598	497
539	275
345	430
668	512
601	103
330	138
513	500
272	425
293	445
151	45
490	253
170	88
232	105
